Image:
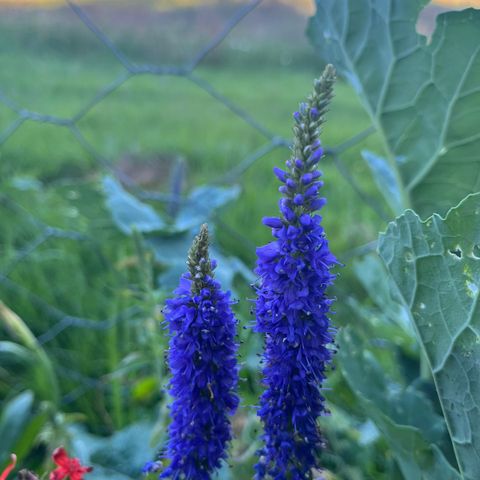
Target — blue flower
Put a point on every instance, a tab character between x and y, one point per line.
202	359
292	306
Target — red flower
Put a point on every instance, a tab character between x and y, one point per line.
67	466
9	468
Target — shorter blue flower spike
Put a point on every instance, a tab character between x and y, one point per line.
202	359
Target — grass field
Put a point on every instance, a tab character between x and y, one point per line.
156	118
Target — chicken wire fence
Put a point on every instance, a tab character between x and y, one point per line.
62	320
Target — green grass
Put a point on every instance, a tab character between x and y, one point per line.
150	117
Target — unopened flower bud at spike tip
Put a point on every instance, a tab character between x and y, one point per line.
329	74
327	79
198	261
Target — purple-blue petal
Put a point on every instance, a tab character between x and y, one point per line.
272	222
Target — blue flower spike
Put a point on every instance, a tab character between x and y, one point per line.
292	306
202	359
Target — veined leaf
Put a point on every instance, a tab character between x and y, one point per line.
373	275
404	416
384	177
435	265
202	202
422	98
128	212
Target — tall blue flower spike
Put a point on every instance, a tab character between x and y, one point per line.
292	306
202	359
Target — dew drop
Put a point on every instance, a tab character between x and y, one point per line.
408	256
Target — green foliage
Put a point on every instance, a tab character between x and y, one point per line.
436	269
30	366
201	203
171	238
119	456
129	214
20	426
421	97
385	180
404	415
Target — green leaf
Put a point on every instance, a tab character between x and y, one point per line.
423	98
403	415
26	368
14	420
384	177
171	249
374	277
435	265
32	431
121	456
202	203
128	212
39	371
228	268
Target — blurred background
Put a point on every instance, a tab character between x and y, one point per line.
124	125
